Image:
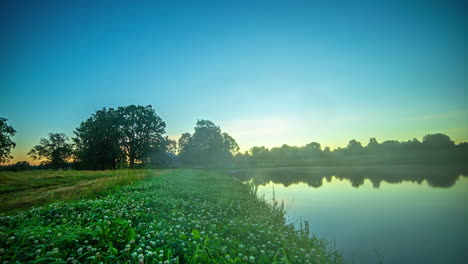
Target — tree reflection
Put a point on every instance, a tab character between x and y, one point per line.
435	176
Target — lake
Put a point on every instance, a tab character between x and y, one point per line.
392	214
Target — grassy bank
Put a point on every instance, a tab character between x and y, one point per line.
19	190
180	216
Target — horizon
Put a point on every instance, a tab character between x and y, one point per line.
266	74
241	150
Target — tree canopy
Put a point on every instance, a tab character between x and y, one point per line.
141	131
438	141
55	151
208	146
126	134
6	143
98	139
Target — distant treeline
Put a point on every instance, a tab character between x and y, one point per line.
21	166
434	148
134	137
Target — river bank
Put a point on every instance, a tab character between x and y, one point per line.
182	216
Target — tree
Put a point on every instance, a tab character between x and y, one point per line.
20	166
171	145
354	146
373	144
131	133
243	159
6	144
141	131
259	154
164	156
411	145
230	144
437	141
286	152
183	143
56	150
97	140
208	146
314	147
391	146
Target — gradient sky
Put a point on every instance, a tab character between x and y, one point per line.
267	72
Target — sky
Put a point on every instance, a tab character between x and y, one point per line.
267	72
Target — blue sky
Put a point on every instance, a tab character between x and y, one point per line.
267	72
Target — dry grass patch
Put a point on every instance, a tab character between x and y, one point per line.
19	190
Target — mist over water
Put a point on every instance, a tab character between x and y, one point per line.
397	214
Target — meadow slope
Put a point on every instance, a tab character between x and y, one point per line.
180	216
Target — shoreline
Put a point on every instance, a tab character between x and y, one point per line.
182	216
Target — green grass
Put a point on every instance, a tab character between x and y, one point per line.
19	190
180	216
25	180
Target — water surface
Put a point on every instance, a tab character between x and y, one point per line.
393	214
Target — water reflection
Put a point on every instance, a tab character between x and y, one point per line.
435	176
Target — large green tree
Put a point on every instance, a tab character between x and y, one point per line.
208	146
55	151
127	134
141	131
6	144
97	140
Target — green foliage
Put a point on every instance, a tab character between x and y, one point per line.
208	146
354	147
182	217
6	144
171	145
196	234
97	141
141	131
55	150
112	136
184	144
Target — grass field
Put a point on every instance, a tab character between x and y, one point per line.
24	189
178	216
